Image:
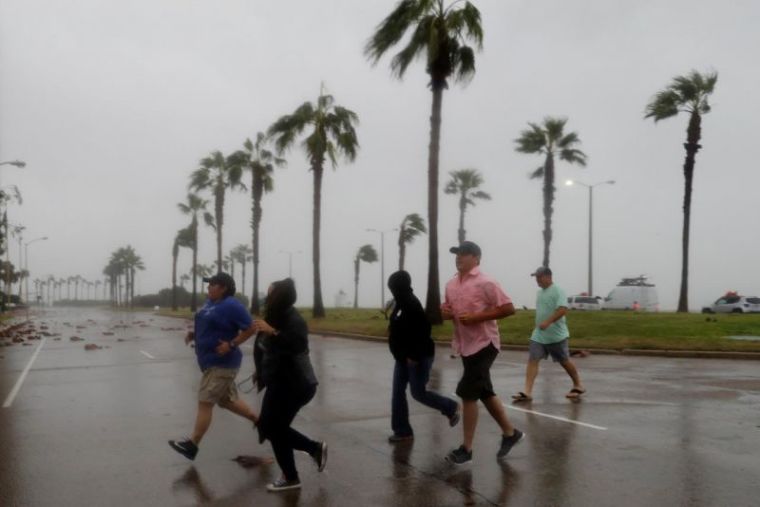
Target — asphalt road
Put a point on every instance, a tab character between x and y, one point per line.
89	428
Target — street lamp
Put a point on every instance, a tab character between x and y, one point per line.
290	260
26	263
382	264
590	226
17	163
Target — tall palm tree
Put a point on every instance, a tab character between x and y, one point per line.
685	94
183	238
411	226
261	162
132	263
549	140
441	34
331	134
216	174
194	206
465	182
366	253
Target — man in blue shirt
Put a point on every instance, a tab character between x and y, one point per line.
221	326
550	336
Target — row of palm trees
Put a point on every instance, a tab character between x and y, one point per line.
51	289
120	272
446	37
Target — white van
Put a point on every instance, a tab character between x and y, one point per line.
633	294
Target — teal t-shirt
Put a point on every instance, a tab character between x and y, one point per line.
547	302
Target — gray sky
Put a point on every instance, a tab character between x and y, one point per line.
112	105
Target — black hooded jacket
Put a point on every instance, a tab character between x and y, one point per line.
284	358
409	328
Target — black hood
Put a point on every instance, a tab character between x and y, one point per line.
400	284
281	298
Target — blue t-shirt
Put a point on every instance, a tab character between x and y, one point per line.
217	321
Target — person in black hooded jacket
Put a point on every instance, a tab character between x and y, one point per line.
413	349
283	367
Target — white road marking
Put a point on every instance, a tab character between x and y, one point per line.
556	417
550	416
146	354
9	400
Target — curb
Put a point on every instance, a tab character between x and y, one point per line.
686	354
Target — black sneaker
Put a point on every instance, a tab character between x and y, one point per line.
320	457
394	439
454	419
282	484
459	456
185	447
508	442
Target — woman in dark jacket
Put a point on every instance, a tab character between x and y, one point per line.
413	349
283	367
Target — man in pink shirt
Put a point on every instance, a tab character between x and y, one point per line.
475	302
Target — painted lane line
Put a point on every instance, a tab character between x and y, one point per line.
556	417
146	354
9	400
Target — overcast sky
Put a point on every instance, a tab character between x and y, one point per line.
112	105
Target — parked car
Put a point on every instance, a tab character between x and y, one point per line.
584	302
633	294
734	303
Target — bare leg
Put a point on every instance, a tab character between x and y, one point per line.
531	372
202	421
573	372
469	421
496	409
242	409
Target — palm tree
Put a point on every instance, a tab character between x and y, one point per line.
193	207
331	133
465	182
242	254
440	33
216	174
132	263
685	94
184	238
549	140
261	162
366	253
411	226
204	271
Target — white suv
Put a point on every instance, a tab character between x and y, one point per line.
734	303
584	303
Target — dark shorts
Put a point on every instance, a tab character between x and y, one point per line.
476	379
559	351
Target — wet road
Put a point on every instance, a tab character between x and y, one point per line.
89	428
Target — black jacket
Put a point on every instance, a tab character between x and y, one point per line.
284	359
409	328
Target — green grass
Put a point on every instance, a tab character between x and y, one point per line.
593	330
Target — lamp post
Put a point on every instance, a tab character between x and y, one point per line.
382	263
26	262
590	227
290	260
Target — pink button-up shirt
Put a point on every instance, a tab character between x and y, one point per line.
471	293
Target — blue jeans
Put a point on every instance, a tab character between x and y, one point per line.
416	376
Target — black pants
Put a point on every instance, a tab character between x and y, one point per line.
278	409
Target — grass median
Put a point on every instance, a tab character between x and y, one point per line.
588	330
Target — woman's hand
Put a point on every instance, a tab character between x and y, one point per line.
223	348
190	336
264	327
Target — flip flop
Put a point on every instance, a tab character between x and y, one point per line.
520	397
575	393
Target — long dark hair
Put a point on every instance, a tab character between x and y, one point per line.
281	298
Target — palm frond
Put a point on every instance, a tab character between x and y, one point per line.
573	156
537	174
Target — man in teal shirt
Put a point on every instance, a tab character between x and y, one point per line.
550	336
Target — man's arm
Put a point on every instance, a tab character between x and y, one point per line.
497	313
554	317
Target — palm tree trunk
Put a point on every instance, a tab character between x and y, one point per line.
194	300
462	208
258	190
175	254
433	299
356	282
548	202
219	211
401	250
319	309
692	146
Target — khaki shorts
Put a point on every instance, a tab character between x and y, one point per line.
218	385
